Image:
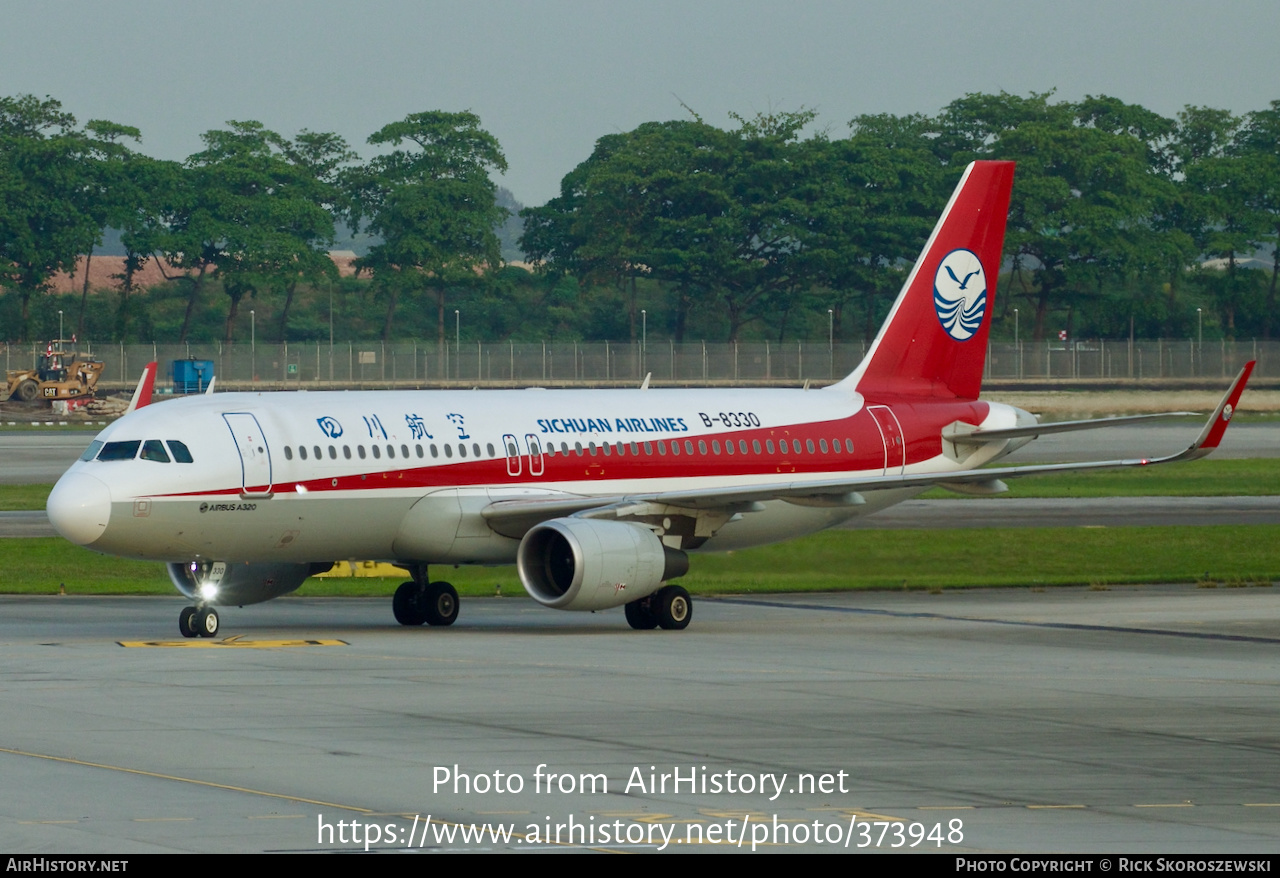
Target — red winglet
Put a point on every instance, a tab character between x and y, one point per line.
1211	435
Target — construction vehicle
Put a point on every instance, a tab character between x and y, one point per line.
60	374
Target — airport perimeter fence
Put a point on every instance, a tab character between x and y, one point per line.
558	364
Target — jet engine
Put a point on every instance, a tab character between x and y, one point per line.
232	583
585	564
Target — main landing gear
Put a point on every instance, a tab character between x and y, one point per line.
669	607
419	601
198	622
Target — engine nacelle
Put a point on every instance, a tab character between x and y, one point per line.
585	564
232	583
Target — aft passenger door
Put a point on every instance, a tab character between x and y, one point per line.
895	451
255	454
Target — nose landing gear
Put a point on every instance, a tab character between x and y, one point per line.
198	622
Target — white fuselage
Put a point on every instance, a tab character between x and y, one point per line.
406	475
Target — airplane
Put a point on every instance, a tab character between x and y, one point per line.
598	496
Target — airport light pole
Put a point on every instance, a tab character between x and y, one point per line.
831	340
1200	334
253	345
59	326
457	342
644	339
1017	341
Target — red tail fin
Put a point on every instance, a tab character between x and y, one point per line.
142	393
935	340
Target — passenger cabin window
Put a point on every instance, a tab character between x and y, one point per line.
288	453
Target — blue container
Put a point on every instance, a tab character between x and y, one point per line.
192	376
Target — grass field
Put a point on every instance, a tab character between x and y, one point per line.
830	561
833	560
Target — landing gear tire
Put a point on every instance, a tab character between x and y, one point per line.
206	622
440	604
186	622
673	608
27	390
640	616
408	605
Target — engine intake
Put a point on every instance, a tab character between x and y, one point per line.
584	564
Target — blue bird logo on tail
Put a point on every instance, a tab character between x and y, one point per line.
960	294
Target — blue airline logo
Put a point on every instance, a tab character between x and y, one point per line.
960	294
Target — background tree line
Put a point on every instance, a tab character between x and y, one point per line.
771	228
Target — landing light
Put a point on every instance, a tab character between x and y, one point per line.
301	489
208	591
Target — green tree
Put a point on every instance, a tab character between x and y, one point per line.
881	191
719	216
1257	145
51	208
432	202
1085	192
243	212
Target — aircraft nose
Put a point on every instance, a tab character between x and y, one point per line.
79	507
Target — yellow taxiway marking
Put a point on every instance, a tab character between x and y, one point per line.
162	819
66	760
200	783
1167	805
1261	804
230	643
945	807
1054	807
276	816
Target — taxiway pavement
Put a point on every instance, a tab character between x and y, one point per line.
1139	719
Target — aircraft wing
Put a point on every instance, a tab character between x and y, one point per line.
980	437
514	516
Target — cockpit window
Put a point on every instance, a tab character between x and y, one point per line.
92	451
120	450
153	449
180	452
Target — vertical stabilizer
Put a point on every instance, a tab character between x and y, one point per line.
142	393
934	343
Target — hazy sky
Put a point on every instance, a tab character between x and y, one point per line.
548	78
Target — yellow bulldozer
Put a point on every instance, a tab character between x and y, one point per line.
61	374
